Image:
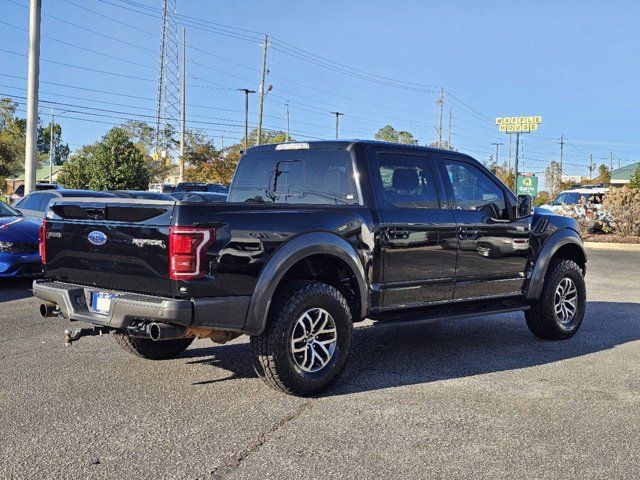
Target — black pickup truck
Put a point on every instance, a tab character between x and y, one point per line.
314	237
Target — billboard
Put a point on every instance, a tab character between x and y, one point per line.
523	124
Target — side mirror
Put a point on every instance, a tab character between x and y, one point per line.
524	206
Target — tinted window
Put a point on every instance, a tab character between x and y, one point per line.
407	181
560	199
19	190
46	197
45	187
474	190
215	188
31	202
295	177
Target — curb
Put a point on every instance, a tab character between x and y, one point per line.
627	247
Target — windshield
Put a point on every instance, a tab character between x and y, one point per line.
7	211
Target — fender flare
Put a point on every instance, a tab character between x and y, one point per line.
551	246
288	255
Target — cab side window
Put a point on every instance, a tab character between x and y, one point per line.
408	181
474	190
31	202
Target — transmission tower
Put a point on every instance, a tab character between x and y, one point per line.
168	106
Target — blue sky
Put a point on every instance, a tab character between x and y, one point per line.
576	63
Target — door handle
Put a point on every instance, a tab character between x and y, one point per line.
398	234
467	233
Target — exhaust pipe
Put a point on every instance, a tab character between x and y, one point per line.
164	331
48	309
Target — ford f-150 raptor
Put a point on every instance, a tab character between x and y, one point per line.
313	238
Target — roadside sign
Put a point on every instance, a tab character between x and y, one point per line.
523	124
527	185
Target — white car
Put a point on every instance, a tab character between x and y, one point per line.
575	195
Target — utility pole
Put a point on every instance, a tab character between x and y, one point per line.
262	92
515	164
440	103
449	132
591	167
509	170
53	121
561	151
288	136
183	109
610	162
337	114
497	148
246	117
33	78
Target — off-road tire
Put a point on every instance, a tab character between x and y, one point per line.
272	358
152	350
542	319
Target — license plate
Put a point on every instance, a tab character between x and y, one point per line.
101	302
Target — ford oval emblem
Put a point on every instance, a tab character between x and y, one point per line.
97	238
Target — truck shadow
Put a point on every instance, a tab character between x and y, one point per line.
385	356
15	288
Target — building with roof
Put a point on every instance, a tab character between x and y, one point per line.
42	176
622	176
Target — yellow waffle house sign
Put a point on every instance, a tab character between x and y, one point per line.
519	124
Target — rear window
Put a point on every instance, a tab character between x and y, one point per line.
311	177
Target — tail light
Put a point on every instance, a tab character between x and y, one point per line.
42	239
187	251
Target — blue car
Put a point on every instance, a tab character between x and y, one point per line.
19	245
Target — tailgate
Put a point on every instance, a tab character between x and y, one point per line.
113	244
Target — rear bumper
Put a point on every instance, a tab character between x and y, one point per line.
74	301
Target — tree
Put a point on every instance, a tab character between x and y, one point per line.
60	149
635	179
207	164
390	134
12	138
553	178
114	163
268	136
143	136
76	171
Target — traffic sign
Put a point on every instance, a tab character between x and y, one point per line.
527	185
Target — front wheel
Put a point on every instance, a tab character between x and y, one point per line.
558	313
305	344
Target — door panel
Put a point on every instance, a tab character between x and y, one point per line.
493	247
418	236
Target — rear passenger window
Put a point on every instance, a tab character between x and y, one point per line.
32	202
311	177
408	181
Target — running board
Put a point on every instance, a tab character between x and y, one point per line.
457	312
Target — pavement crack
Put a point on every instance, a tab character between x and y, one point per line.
236	459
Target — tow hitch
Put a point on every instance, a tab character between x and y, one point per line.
74	335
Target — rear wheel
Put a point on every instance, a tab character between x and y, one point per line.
152	350
558	313
305	345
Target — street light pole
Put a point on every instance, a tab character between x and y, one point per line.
51	146
337	114
497	147
246	115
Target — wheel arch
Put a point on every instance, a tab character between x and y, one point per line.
303	253
565	244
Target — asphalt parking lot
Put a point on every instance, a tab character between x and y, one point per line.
478	398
